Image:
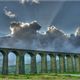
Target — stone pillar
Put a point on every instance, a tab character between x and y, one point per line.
43	62
73	63
78	63
62	67
33	63
69	63
5	63
20	69
53	62
76	60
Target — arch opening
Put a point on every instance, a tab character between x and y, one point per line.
48	63
57	64
27	62
11	63
38	63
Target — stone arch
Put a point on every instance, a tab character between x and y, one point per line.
12	62
33	68
27	60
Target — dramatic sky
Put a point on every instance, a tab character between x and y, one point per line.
65	15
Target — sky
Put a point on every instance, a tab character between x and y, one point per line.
65	15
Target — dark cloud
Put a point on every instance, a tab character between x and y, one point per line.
26	35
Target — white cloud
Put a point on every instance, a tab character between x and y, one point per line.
23	1
9	13
27	1
77	32
35	1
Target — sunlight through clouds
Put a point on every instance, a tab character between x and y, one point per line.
26	1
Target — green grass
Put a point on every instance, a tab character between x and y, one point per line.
39	77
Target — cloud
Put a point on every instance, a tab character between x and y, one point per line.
77	32
28	36
17	27
35	1
27	1
23	1
9	13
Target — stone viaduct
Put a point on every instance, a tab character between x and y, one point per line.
72	60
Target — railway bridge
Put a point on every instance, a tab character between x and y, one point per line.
68	62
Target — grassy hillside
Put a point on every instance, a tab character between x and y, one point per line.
39	77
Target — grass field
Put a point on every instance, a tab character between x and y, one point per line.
39	77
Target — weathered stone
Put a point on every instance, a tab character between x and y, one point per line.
62	63
5	63
53	63
43	62
20	69
33	64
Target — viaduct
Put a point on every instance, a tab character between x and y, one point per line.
72	60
